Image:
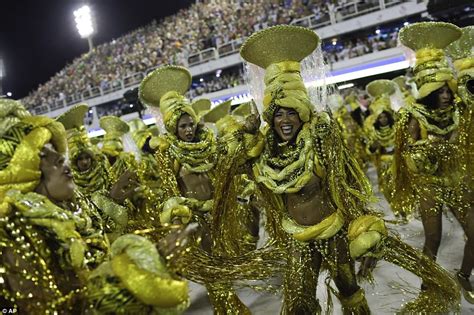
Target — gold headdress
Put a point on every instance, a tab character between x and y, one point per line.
114	128
220	115
22	139
73	122
140	132
165	88
279	50
201	106
244	109
429	39
380	91
217	112
461	52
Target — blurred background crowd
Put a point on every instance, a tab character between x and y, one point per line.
201	26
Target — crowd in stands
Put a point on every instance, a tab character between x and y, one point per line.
171	40
216	83
338	50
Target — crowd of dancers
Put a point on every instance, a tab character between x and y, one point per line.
88	228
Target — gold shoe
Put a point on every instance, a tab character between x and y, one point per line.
468	295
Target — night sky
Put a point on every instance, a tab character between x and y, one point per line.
39	37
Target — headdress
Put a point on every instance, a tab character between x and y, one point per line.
22	139
164	88
461	52
279	50
428	39
114	128
380	91
73	122
201	106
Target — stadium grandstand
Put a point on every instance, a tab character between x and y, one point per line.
359	40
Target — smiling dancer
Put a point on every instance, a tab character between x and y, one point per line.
316	192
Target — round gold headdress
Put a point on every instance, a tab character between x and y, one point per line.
165	88
114	128
380	91
161	81
73	121
461	51
279	50
429	39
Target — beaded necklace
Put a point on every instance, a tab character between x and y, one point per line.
289	172
385	135
448	116
196	157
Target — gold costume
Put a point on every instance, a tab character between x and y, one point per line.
164	88
352	133
426	168
461	54
97	177
112	147
319	151
381	139
149	194
136	281
42	253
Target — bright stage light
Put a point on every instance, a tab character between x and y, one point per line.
83	19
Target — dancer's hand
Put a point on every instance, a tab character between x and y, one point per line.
124	187
252	123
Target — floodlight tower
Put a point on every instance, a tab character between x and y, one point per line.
84	23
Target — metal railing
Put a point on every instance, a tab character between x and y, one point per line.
231	47
353	9
333	16
313	21
203	56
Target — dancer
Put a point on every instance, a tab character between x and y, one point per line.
380	132
149	194
428	151
461	53
89	166
43	256
316	191
189	151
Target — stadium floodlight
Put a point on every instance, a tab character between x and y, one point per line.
83	18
